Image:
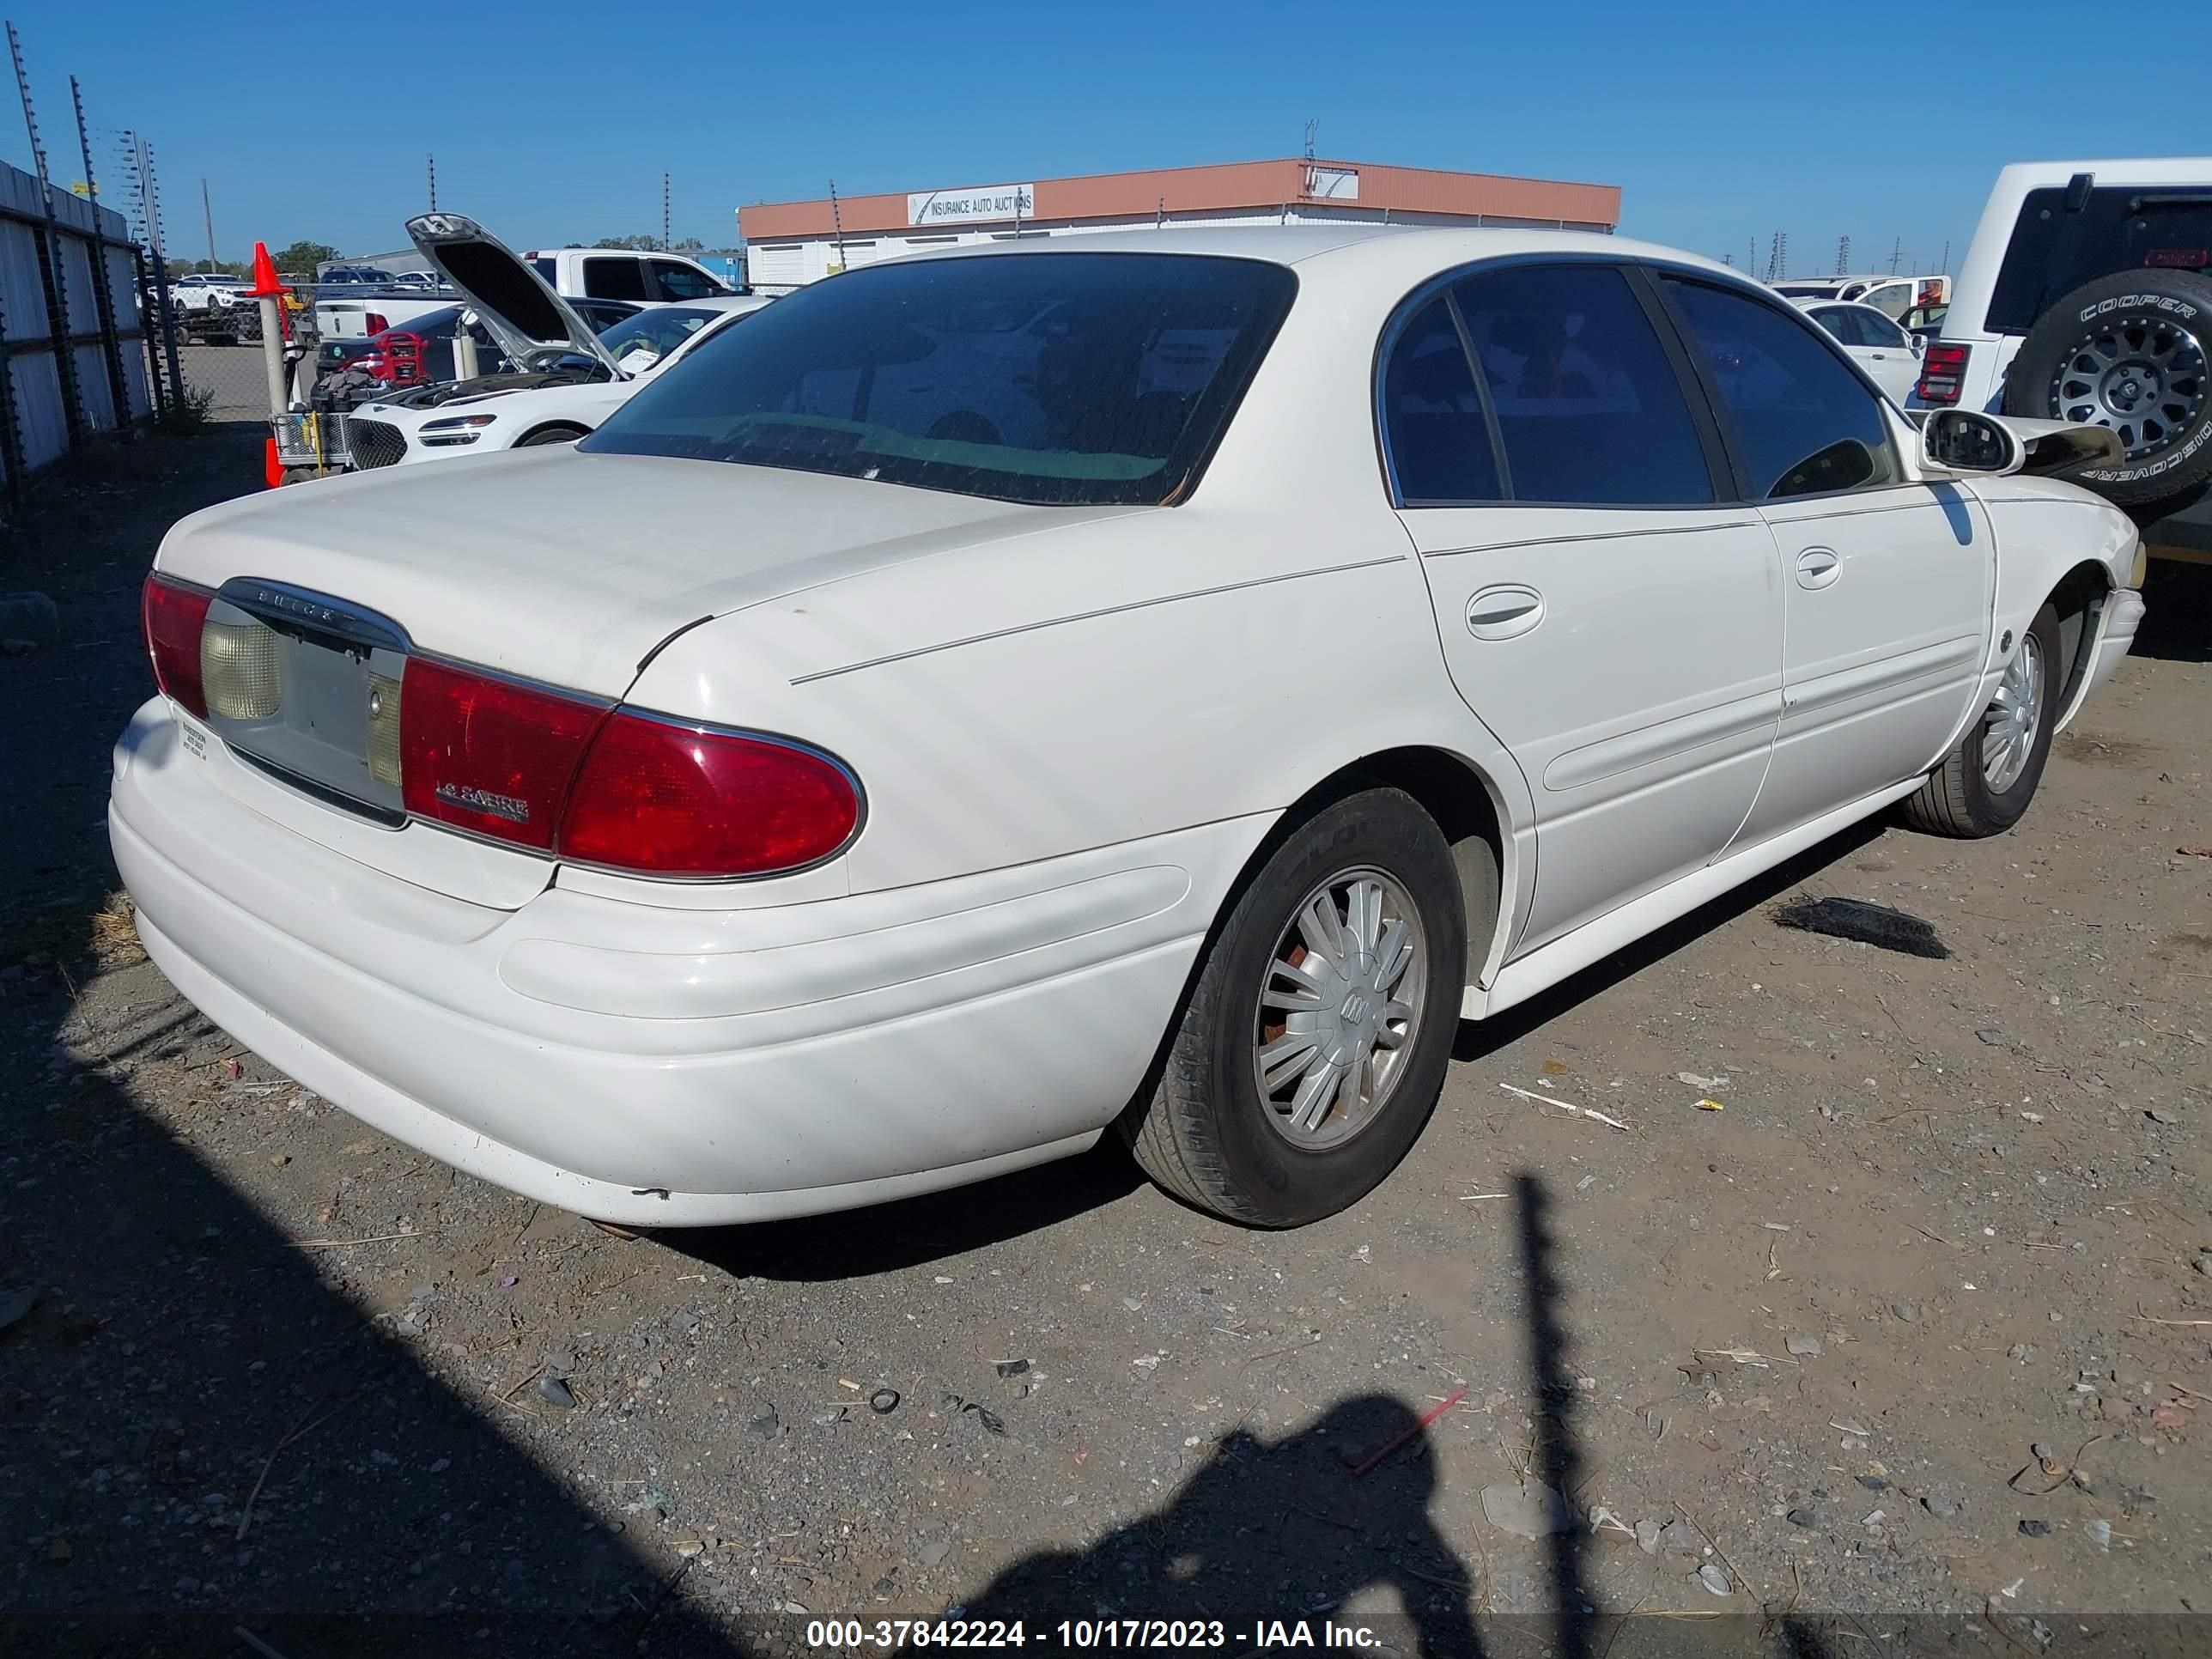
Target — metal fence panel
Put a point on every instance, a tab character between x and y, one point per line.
87	238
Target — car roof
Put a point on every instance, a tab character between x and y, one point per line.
1381	250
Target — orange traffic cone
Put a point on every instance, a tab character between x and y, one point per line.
265	284
272	469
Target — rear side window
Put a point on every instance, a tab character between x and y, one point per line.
677	281
1589	406
548	271
614	279
1799	420
1439	441
1046	377
2052	252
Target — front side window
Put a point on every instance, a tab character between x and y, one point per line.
1588	408
1799	420
614	279
1055	377
1439	440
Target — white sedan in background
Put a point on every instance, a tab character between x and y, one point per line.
1874	340
570	378
1159	682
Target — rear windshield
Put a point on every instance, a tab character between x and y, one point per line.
1045	377
2052	252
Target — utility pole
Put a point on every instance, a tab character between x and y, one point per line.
664	213
1843	255
836	225
208	211
430	165
1945	265
1896	255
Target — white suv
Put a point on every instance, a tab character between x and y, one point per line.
2085	296
202	291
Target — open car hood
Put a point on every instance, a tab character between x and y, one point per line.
516	306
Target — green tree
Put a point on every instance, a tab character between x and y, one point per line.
688	244
639	243
304	256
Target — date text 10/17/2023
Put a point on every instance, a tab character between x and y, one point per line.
1263	1635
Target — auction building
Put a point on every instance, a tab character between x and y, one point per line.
791	244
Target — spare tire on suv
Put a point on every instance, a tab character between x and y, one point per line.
2127	352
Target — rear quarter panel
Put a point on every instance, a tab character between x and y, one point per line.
1019	701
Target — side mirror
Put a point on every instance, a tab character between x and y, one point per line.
1965	440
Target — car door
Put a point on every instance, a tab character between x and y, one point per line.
1613	622
1885	350
1886	579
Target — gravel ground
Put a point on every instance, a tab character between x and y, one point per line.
279	1374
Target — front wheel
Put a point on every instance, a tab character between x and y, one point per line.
1314	1043
1985	783
552	434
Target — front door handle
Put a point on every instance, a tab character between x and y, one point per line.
1503	611
1818	566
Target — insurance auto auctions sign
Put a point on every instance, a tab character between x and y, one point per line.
972	207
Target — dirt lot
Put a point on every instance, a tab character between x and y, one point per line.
282	1375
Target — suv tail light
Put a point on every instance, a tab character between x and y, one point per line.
174	614
613	787
1942	372
375	322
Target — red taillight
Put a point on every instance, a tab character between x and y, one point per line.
1943	371
375	322
173	615
661	798
488	755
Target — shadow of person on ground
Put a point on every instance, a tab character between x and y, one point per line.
1268	1530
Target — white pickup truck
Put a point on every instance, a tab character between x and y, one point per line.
574	273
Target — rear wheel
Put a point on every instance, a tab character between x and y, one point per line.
2128	353
1985	783
1315	1041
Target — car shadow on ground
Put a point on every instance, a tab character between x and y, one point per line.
2177	625
1479	1038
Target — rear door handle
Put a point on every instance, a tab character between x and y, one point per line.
1818	566
1503	611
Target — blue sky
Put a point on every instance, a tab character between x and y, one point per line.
553	120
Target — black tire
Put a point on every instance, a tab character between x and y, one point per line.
1205	1133
2127	352
551	434
1957	799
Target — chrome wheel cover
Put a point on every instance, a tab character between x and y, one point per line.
1343	994
2009	729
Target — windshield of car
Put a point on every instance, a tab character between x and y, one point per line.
2053	251
1055	377
660	330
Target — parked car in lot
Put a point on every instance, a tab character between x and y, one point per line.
201	291
1871	339
421	354
2087	295
1891	296
566	376
1259	652
597	273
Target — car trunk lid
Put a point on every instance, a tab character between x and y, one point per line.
556	569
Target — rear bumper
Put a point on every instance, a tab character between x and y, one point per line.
675	1066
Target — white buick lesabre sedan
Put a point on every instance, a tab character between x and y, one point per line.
1159	682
